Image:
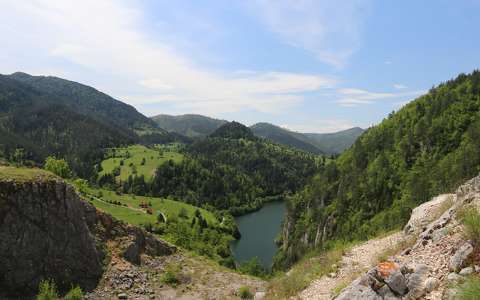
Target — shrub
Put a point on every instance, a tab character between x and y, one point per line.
47	290
470	289
74	294
471	220
171	275
244	293
252	267
59	167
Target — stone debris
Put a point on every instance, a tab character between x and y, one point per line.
437	260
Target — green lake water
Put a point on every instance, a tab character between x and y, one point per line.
259	229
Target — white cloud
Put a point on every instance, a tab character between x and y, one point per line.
106	38
399	86
321	126
349	97
331	30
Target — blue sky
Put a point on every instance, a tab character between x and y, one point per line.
311	66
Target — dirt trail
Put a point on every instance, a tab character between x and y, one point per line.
358	259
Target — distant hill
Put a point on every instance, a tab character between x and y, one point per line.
327	143
52	116
337	142
285	137
189	125
196	126
233	130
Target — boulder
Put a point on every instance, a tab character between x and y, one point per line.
422	215
466	271
357	291
431	284
397	283
457	261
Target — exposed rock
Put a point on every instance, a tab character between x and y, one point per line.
466	271
454	278
458	259
357	291
431	284
48	232
259	295
397	283
423	214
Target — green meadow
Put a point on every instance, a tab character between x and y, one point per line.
138	160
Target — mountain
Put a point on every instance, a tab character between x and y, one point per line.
87	101
337	142
235	171
188	125
428	147
200	126
233	130
52	116
285	137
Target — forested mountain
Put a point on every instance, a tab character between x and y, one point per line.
426	148
41	116
188	125
285	137
195	126
336	142
234	170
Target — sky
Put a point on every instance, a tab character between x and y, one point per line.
307	65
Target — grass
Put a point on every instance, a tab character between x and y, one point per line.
132	157
470	289
312	266
24	174
244	293
471	221
134	214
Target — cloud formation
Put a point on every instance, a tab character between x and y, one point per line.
107	38
350	97
331	30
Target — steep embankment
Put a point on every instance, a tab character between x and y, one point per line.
48	232
428	260
428	147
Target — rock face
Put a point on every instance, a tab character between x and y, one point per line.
48	232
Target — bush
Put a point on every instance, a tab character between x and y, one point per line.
59	167
74	294
244	293
252	267
471	220
47	290
171	275
470	290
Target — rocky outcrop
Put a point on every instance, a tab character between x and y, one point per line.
439	258
48	232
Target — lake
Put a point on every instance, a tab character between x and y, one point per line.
259	229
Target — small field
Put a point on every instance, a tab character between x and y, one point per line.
138	160
131	212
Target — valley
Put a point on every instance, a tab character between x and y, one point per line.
239	150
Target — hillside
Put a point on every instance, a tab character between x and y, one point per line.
51	116
285	137
67	240
336	142
435	256
426	148
231	170
189	125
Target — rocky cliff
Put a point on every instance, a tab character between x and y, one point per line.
48	232
440	257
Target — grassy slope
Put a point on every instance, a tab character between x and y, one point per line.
24	174
134	214
153	159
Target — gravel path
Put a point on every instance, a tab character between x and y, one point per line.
357	260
